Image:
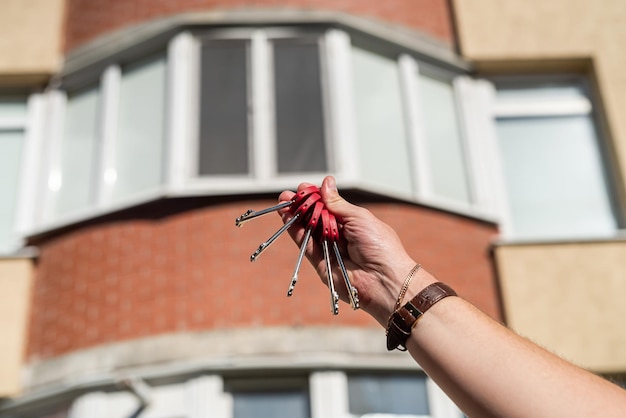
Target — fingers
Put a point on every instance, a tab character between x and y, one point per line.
297	231
286	196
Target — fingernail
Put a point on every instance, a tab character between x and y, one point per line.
331	183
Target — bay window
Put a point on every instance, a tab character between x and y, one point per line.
274	394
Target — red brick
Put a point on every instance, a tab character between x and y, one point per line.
189	272
86	19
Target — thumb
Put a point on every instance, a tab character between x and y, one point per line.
333	201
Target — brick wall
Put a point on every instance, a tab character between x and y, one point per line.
125	279
87	19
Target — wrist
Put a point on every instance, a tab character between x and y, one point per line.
381	306
403	320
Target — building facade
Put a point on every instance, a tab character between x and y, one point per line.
133	133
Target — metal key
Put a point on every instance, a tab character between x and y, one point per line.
312	223
326	236
353	293
299	211
297	199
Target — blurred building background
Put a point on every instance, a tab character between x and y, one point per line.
489	133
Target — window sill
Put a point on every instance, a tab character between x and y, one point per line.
618	236
21	253
219	188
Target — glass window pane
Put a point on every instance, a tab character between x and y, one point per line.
10	157
78	152
384	152
12	107
540	92
223	147
388	394
298	97
443	137
140	130
554	177
271	404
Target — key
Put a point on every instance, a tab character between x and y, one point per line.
312	223
353	294
297	199
299	211
326	236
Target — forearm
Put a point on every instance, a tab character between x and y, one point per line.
485	368
490	371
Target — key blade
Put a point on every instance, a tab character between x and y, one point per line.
273	238
334	297
294	278
252	214
353	293
243	218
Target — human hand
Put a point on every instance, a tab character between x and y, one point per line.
374	256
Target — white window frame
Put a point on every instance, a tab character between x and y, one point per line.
473	118
262	142
108	83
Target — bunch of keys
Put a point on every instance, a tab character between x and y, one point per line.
307	208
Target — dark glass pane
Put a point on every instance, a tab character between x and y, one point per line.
270	404
223	141
387	394
298	95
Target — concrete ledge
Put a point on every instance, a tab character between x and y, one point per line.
174	356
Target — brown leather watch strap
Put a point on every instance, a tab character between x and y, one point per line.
404	319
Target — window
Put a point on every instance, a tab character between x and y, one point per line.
258	93
79	152
443	137
12	126
111	146
140	137
388	394
269	398
408	127
380	125
224	122
554	171
316	393
299	114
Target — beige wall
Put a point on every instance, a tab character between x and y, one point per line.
494	30
570	299
15	296
30	40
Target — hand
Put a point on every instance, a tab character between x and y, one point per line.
375	259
